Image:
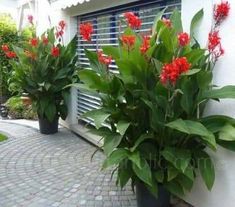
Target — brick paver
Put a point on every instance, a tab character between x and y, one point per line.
56	171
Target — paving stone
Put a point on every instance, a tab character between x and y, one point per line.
55	171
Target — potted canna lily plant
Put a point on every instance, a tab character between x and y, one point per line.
42	69
151	116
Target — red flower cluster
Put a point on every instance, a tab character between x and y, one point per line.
214	40
221	11
214	45
128	40
106	60
167	22
133	21
59	33
62	24
145	45
171	71
30	19
33	42
5	48
60	29
183	39
55	51
8	53
86	31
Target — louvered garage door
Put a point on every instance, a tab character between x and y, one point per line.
107	28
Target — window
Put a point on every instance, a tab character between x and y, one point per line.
107	28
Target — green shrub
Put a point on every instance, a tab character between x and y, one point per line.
8	35
17	110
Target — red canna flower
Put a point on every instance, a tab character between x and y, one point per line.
128	40
86	31
133	21
59	33
183	64
62	24
34	42
145	45
221	11
167	22
106	60
10	54
214	40
5	48
45	40
172	71
30	19
183	39
55	51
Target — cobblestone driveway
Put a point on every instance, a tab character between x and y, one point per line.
50	171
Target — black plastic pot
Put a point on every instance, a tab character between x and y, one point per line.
146	199
47	127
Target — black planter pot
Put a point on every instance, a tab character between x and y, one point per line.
146	199
47	127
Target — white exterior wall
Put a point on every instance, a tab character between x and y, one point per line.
224	74
9	6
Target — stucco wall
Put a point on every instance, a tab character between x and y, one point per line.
223	192
9	6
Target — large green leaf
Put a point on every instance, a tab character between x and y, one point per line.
144	173
127	70
195	20
135	158
185	182
125	172
175	188
157	18
122	126
111	142
113	51
230	145
204	79
98	115
180	158
159	176
93	80
187	101
172	173
141	139
224	92
191	72
216	122
206	168
51	112
194	128
227	133
115	158
176	21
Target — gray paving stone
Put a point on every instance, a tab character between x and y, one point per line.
55	171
